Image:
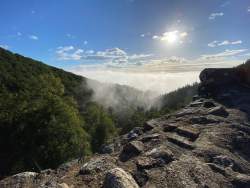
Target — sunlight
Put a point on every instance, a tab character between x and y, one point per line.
170	37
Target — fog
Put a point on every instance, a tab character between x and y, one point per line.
156	82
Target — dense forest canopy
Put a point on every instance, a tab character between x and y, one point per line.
48	116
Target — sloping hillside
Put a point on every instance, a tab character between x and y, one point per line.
205	144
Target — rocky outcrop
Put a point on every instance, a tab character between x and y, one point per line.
205	144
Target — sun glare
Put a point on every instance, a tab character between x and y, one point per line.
170	37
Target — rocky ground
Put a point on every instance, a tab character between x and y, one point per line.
205	144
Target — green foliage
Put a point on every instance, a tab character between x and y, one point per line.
40	125
178	98
100	126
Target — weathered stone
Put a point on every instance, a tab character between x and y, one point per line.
196	104
208	104
118	178
188	132
132	136
148	126
107	149
141	177
150	137
169	127
97	165
131	149
202	120
218	111
161	153
147	163
241	181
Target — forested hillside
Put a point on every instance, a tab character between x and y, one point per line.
48	116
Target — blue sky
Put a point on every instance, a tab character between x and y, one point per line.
151	35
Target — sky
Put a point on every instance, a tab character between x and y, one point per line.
143	43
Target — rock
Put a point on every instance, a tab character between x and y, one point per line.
161	153
218	111
141	177
147	163
148	126
202	120
107	149
132	136
225	161
208	104
137	130
196	104
184	112
150	137
196	97
188	132
97	165
241	181
131	149
63	185
118	178
169	127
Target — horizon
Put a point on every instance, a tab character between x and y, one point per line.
130	42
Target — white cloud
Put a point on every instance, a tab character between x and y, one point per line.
222	55
237	42
248	10
4	46
224	43
214	15
213	44
111	57
85	42
33	37
33	12
19	34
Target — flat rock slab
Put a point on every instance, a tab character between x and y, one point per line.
150	137
188	132
218	111
180	141
169	127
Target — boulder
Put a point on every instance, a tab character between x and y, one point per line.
131	149
118	178
97	165
218	111
161	153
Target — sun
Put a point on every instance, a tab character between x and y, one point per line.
170	37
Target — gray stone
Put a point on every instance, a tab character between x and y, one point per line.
131	149
97	165
218	111
118	178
